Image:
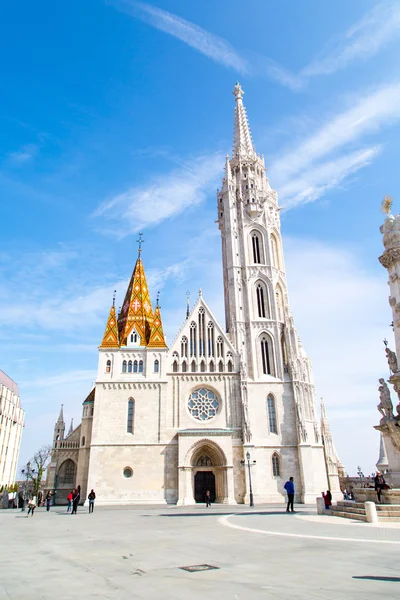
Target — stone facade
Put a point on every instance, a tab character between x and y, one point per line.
11	426
170	423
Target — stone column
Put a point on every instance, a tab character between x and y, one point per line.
185	486
230	485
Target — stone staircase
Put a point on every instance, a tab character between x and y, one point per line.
356	510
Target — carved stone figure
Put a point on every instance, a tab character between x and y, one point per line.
392	360
385	406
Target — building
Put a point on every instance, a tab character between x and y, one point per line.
163	424
11	425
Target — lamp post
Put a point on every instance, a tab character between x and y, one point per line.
28	472
248	466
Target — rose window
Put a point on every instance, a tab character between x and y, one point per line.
203	404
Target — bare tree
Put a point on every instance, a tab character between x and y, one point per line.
38	466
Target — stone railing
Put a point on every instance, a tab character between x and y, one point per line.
66	445
369	495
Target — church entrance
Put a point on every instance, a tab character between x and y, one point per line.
203	481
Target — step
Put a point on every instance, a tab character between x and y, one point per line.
388	507
388	513
348	515
388	519
350	509
350	503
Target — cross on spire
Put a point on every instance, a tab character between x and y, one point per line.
114	294
140	241
187	304
158	298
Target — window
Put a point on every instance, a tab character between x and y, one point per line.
193	340
202	332
221	366
69	472
202	366
262	299
127	472
271	414
124	366
184	346
230	366
132	337
203	404
140	366
184	367
130	366
193	367
275	252
220	347
256	245
131	410
210	339
83	440
135	366
276	469
265	356
175	366
211	367
156	366
108	366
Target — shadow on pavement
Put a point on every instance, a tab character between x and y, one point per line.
376	578
223	514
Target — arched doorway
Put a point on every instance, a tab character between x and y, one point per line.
208	471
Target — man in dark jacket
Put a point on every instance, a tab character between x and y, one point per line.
289	487
91	498
380	484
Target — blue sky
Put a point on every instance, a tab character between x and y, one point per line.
116	117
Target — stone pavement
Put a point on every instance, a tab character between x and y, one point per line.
136	552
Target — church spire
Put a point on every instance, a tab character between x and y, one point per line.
136	311
157	339
61	415
110	337
71	427
242	142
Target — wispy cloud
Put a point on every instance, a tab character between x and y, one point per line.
24	155
165	197
213	46
367	37
304	164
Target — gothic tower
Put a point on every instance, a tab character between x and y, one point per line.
276	380
59	427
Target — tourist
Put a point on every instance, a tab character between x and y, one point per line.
91	498
380	484
69	498
48	501
289	487
208	498
327	499
40	498
31	506
75	501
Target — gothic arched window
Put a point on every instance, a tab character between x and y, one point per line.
184	367
266	355
220	347
130	366
175	366
202	366
124	366
135	366
257	247
275	252
108	366
230	366
202	332
262	300
140	366
130	416
193	367
156	366
210	339
272	414
193	339
211	366
184	346
69	472
221	366
276	467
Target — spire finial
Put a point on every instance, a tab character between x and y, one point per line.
237	91
200	293
187	304
140	242
114	294
158	298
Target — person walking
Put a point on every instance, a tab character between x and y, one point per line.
380	484
327	499
48	501
208	498
91	498
31	506
289	487
75	501
69	498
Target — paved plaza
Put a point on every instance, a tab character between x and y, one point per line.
126	553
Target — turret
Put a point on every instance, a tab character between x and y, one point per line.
59	427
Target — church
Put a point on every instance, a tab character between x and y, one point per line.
228	408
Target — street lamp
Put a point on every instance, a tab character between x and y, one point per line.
248	466
28	472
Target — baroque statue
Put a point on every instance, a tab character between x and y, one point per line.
392	360
385	405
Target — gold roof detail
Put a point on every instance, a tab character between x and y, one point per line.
110	338
157	339
136	310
